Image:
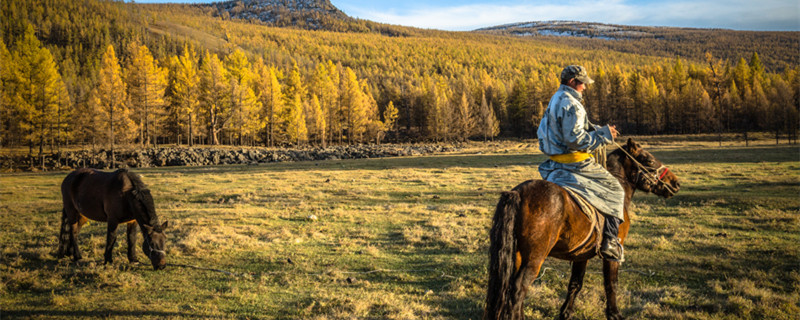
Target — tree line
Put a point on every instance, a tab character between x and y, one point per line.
172	74
188	98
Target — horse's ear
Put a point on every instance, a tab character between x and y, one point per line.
633	147
164	225
147	228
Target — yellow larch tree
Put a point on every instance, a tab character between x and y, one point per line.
214	95
108	99
185	93
146	83
245	121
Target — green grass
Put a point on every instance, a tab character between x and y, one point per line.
406	238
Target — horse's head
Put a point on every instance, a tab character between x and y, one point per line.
154	238
652	176
154	244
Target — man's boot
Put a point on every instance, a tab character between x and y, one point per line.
611	249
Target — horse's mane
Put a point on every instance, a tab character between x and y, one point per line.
143	194
135	179
614	163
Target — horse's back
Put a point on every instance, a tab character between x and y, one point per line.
86	192
538	194
547	208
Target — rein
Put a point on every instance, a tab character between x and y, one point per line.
650	176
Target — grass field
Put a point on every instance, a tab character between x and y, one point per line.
406	238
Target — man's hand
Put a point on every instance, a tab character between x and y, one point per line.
614	132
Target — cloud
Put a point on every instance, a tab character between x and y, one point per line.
737	14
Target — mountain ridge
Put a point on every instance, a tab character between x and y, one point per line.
661	41
309	14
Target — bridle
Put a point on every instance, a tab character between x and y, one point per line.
655	176
150	246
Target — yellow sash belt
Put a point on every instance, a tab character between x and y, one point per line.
571	157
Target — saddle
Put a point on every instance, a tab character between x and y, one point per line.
596	218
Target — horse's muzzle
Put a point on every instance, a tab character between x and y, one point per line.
160	265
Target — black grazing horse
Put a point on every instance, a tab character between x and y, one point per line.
538	219
118	197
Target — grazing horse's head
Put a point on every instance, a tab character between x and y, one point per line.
153	233
154	247
652	176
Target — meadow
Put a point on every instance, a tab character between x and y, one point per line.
406	238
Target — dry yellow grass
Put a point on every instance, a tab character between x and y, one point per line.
406	238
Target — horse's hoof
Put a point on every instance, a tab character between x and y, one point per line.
616	316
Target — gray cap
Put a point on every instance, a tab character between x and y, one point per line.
576	72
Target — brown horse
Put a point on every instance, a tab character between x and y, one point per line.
538	219
118	197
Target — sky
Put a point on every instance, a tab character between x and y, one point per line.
463	15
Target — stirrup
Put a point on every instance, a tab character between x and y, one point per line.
607	252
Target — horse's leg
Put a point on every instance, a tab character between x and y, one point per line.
75	227
111	240
132	227
575	285
529	268
610	271
63	236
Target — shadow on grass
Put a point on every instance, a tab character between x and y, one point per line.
21	313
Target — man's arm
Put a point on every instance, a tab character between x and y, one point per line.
577	137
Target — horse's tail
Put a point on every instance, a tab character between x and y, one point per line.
502	296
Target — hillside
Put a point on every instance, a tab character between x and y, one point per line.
303	14
402	83
777	49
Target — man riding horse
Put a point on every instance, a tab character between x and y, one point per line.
566	135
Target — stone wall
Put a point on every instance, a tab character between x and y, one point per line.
204	156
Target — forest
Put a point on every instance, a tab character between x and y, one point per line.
105	73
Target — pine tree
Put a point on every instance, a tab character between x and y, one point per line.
214	95
294	114
185	92
316	119
742	75
324	87
146	85
244	103
780	108
443	110
270	94
353	105
466	117
651	106
756	68
9	95
489	126
108	99
390	115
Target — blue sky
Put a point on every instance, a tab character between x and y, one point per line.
762	15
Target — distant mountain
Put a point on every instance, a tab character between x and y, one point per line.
306	14
578	29
303	14
689	43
